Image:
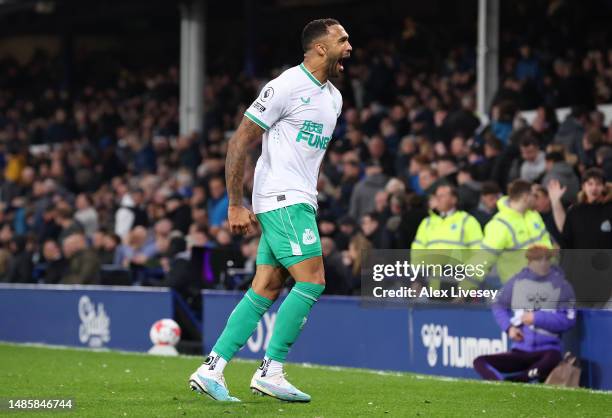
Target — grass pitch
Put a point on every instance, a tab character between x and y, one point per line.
113	384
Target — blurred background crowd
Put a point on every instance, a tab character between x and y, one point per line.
99	187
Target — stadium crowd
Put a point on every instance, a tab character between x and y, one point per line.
99	180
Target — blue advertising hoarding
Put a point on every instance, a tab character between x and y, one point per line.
429	339
337	332
83	316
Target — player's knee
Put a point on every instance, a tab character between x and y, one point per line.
319	280
267	289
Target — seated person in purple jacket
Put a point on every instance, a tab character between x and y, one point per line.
534	308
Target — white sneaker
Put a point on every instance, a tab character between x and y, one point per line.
211	383
276	386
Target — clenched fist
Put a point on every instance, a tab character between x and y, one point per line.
240	219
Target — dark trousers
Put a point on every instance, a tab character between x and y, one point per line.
523	366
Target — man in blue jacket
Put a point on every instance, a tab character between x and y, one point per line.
534	308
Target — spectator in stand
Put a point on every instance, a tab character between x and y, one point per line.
468	189
86	215
428	180
143	156
463	121
502	116
141	217
446	169
407	150
534	324
587	147
493	148
381	206
361	199
83	262
532	162
66	220
179	213
413	212
572	129
138	249
459	150
545	124
55	263
588	223
347	226
109	253
5	257
178	271
490	193
558	169
374	230
350	177
353	258
603	158
543	206
125	216
380	156
20	266
218	202
337	276
418	163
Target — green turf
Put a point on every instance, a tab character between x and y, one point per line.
105	384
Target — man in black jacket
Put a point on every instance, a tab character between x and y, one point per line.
588	224
56	264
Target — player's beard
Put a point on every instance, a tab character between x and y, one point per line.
333	69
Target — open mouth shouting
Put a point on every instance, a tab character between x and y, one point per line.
340	63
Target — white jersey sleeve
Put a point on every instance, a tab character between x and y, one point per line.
271	104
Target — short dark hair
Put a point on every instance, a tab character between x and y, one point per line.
494	142
518	188
314	30
372	215
529	140
64	212
540	189
555	157
451	187
489	187
594	173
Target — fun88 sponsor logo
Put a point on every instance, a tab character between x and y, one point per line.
457	351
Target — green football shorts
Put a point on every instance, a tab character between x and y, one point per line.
289	235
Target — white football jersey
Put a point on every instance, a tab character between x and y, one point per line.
299	115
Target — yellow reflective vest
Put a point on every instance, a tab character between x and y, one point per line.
508	231
460	230
445	241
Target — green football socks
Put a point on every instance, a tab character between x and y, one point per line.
241	324
291	318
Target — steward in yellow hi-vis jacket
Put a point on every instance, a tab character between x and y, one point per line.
454	230
515	227
446	235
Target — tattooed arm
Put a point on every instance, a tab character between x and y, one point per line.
240	218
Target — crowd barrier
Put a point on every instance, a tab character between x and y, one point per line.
115	317
430	339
